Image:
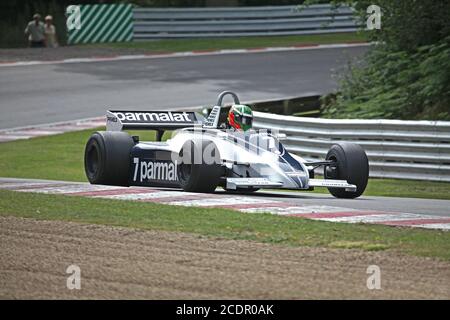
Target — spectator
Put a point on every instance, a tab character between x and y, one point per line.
35	32
50	32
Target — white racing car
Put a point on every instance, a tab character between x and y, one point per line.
203	154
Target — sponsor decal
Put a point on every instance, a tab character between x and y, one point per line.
146	117
145	170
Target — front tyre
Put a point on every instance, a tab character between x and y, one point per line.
200	169
107	158
352	166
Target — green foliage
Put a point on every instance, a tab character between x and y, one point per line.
397	85
407	74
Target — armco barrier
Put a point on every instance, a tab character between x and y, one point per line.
396	149
160	23
103	23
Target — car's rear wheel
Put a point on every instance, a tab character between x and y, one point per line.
107	158
352	165
196	172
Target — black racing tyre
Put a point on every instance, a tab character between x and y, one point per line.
352	165
197	173
107	158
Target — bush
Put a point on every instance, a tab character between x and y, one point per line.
407	74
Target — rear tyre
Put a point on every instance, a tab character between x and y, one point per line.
352	165
199	169
107	158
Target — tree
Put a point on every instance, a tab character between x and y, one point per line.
406	75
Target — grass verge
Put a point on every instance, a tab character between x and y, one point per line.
60	157
228	224
179	45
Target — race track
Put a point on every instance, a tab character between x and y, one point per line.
405	212
38	94
412	205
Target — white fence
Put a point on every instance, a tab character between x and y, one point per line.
151	23
396	149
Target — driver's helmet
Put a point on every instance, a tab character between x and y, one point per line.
240	117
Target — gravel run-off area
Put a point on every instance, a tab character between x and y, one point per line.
127	263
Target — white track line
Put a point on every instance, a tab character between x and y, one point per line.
182	54
211	202
49	129
378	218
146	196
18	185
65	189
298	210
437	226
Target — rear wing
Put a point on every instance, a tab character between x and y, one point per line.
117	120
150	120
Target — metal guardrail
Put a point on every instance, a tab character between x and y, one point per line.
241	21
396	149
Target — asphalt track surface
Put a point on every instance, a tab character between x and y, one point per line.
38	94
411	205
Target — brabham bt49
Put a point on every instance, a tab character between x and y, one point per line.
203	154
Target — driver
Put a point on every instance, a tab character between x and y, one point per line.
240	117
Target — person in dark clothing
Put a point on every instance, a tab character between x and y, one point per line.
35	31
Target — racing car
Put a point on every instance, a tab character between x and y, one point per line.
204	153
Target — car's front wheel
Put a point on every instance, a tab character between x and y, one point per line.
351	165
